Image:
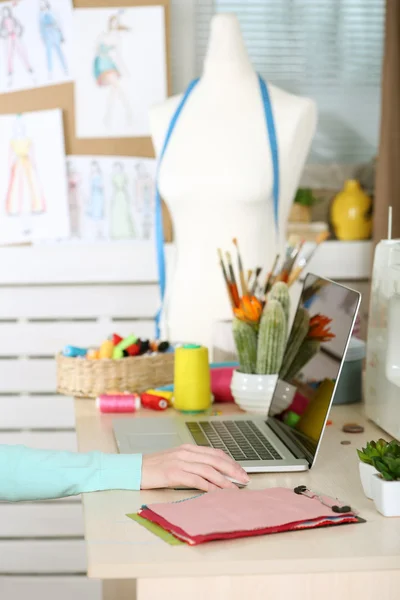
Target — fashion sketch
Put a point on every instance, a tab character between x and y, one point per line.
109	68
12	32
24	193
121	222
96	205
145	195
74	199
52	37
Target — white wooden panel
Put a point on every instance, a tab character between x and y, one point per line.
49	588
28	376
46	440
36	412
129	301
41	520
46	339
93	263
42	556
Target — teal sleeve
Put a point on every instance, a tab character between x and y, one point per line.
27	474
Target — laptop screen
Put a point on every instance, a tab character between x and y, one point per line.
315	349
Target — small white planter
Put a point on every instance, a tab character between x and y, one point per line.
253	393
367	472
386	496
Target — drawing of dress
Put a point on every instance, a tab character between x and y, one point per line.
121	225
145	194
105	70
95	209
11	30
74	202
23	180
53	39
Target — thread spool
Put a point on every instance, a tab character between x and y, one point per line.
106	349
154	402
192	387
118	403
93	354
74	351
124	345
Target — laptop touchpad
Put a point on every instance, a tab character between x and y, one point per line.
146	443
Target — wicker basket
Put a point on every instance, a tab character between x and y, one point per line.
84	378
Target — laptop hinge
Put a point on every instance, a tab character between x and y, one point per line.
286	436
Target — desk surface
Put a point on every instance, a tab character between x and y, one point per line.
118	548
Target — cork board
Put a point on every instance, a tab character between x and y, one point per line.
62	96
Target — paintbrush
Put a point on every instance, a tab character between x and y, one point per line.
255	282
249	276
268	281
232	284
226	278
289	262
243	284
304	261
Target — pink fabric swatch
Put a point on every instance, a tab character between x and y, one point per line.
225	511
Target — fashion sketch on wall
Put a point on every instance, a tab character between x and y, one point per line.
37	44
111	198
24	191
96	202
109	69
121	221
12	33
33	188
74	199
53	39
120	69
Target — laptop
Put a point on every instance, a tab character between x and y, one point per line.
288	438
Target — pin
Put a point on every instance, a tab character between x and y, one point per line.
302	490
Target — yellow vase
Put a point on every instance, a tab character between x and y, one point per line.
350	213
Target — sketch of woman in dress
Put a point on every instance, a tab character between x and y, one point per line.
145	195
12	32
52	37
121	222
109	68
74	199
24	193
96	205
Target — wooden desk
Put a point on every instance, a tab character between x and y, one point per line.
358	561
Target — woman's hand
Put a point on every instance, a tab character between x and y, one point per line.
191	466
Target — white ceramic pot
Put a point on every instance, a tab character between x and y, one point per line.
366	474
386	495
253	393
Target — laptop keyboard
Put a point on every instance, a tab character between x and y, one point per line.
242	440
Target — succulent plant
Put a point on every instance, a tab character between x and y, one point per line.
271	339
245	337
388	466
280	292
376	450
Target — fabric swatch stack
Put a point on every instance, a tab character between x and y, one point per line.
229	514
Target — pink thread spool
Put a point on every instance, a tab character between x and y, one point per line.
118	403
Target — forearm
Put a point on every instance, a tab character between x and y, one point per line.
27	474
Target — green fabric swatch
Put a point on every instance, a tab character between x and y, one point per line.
157	530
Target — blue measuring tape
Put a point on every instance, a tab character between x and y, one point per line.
270	123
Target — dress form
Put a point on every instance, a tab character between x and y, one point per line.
216	178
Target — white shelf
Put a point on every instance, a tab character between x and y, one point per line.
341	260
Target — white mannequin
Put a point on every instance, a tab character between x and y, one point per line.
216	178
